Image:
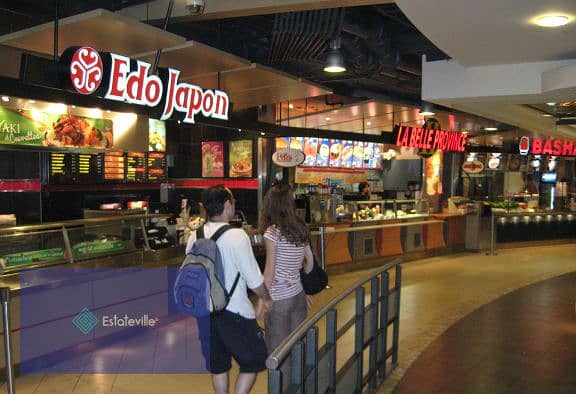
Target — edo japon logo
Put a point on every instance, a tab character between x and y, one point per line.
134	82
86	70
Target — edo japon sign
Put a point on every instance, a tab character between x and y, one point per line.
118	78
547	146
421	138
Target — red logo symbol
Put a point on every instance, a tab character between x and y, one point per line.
86	70
524	145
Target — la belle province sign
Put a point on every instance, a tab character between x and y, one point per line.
118	78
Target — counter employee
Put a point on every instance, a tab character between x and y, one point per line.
364	189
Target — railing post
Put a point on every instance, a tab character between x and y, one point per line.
396	329
145	235
311	386
383	333
373	347
359	337
5	299
274	381
297	362
67	244
331	338
492	235
322	234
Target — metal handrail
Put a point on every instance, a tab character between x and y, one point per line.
329	229
81	222
302	344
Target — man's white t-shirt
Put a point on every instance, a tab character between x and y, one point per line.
237	256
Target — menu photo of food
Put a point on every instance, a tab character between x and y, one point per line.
212	159
80	132
347	154
310	151
358	156
323	157
335	153
368	154
240	158
376	161
282	143
156	135
296	143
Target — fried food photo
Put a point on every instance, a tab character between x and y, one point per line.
70	130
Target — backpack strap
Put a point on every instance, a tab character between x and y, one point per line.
220	231
200	232
214	238
234	285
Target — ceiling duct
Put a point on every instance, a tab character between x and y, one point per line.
302	36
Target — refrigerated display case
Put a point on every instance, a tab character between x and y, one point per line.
387	209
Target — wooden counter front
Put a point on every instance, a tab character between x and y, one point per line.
337	245
454	231
388	240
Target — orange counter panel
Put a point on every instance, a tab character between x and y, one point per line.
390	243
434	236
337	246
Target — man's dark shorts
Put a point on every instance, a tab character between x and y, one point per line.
228	335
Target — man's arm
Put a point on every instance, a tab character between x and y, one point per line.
262	292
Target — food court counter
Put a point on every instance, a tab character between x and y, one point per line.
346	242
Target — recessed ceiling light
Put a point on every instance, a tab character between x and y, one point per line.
551	104
369	123
490	128
327	118
262	133
32	101
291	106
547	115
552	20
427	113
5	99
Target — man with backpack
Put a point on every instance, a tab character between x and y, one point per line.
233	331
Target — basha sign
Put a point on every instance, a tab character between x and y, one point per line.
118	78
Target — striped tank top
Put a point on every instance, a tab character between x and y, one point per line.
289	258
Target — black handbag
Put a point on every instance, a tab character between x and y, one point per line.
315	281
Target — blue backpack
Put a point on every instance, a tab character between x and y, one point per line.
200	287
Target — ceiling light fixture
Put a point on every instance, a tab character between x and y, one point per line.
552	20
5	99
291	106
427	110
551	104
369	123
334	59
490	128
327	118
547	115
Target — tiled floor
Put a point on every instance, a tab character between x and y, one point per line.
437	293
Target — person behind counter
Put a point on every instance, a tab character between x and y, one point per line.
287	248
364	189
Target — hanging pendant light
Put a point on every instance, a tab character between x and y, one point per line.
334	59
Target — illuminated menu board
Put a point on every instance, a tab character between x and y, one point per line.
136	167
323	156
310	151
156	166
358	156
114	166
335	153
86	168
296	143
59	164
347	154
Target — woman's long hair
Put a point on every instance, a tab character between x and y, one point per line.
279	209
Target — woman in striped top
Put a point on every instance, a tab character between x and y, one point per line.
287	251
